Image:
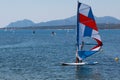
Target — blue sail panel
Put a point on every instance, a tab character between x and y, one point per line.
87	32
84	54
90	14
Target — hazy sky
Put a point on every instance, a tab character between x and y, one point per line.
46	10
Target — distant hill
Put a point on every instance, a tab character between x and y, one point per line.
68	21
73	20
21	23
107	20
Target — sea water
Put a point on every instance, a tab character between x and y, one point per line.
25	55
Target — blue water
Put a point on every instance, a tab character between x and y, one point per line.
28	56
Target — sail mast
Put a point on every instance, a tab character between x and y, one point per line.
78	24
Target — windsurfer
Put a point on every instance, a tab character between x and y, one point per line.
78	59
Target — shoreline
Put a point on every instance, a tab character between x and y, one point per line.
100	26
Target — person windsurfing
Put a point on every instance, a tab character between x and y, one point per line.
78	59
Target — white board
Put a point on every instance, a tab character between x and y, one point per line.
79	64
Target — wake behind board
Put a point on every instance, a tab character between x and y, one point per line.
79	64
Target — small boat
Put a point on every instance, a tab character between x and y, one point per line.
53	33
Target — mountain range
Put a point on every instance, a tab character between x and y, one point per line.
62	22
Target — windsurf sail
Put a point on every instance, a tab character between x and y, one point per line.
86	27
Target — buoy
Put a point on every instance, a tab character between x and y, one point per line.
116	59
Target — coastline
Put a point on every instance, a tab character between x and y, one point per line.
100	26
